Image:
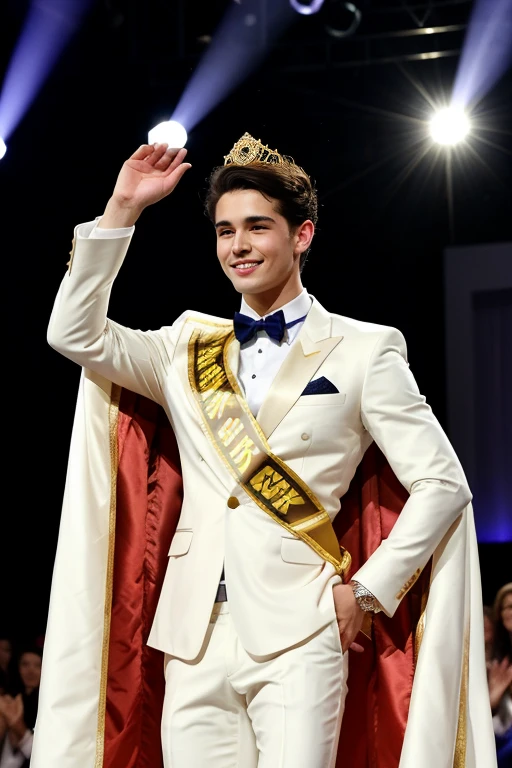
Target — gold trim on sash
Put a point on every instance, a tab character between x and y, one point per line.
242	446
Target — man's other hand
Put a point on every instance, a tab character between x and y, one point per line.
348	615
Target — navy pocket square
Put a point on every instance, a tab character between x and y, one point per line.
321	386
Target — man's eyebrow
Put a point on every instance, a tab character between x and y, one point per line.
247	220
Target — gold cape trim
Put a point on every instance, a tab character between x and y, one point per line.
241	444
113	421
459	760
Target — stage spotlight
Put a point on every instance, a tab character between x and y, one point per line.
3	148
169	132
306	8
342	19
449	126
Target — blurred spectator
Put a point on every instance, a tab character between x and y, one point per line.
6	662
489	632
500	675
18	711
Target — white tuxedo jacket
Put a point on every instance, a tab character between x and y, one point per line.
279	589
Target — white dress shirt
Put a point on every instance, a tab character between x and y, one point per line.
261	357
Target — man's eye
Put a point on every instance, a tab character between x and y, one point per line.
225	232
259	226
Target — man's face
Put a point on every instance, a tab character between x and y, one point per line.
255	247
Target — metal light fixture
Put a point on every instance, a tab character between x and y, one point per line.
342	19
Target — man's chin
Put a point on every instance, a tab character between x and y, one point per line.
246	285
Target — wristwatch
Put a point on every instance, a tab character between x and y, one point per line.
365	599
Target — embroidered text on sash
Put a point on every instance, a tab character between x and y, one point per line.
240	442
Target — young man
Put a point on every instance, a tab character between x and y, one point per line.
272	414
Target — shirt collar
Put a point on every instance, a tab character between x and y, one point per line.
297	307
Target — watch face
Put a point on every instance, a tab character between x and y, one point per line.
366	603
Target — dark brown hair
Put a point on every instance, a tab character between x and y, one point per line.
286	183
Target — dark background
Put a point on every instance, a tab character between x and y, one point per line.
351	111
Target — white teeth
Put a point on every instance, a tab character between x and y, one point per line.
246	266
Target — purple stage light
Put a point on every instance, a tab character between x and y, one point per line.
239	44
487	51
306	9
47	29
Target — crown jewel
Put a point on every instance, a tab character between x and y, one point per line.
249	150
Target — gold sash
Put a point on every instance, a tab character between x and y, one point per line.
242	446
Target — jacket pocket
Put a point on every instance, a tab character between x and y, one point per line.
180	543
297	551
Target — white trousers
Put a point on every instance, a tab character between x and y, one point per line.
227	709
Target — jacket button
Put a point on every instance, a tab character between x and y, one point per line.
305	436
233	502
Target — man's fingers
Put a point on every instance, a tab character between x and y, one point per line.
170	160
150	153
351	646
142	152
176	159
170	180
356	647
155	157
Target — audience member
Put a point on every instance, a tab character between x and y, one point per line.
6	661
488	633
18	710
500	675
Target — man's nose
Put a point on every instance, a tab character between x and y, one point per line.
241	243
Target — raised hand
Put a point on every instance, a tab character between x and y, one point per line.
149	175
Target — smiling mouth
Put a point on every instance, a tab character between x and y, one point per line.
247	265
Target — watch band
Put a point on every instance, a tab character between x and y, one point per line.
365	599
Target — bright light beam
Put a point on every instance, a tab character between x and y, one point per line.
169	132
47	29
449	126
486	53
238	45
3	148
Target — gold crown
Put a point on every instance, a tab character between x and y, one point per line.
249	150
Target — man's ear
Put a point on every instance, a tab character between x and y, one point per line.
303	236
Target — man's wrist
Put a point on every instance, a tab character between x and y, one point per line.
364	598
118	215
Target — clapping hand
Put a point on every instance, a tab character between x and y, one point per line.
12	710
499	678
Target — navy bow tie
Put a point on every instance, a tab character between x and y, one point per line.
274	325
245	326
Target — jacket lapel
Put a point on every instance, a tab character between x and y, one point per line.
313	345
